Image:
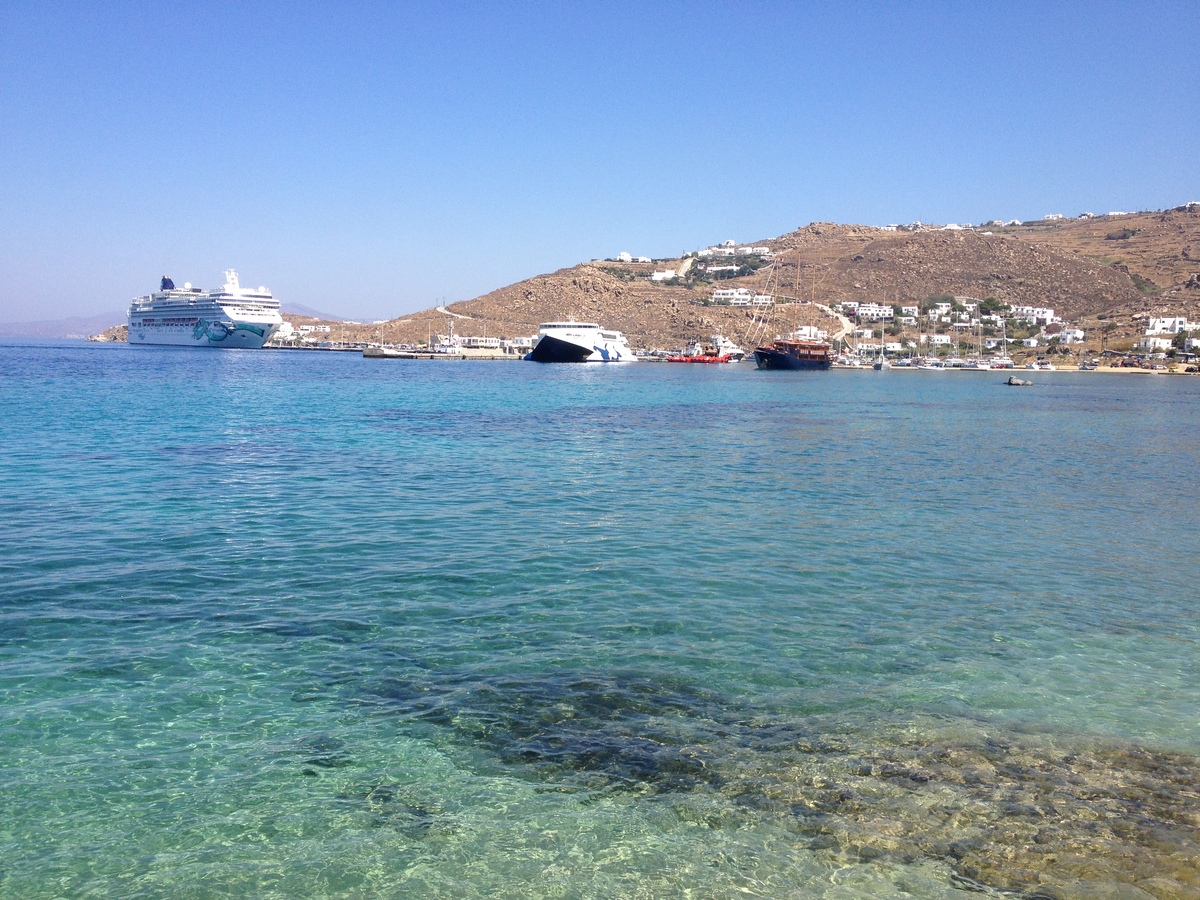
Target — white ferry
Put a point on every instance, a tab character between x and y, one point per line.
579	342
229	316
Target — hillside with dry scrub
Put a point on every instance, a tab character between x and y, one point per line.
1111	269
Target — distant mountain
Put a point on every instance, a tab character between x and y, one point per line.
70	327
299	309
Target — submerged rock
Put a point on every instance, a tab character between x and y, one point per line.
601	732
1015	815
1019	812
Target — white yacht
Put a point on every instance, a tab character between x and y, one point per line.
725	347
229	316
579	342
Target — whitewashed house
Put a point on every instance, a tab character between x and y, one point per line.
741	297
875	312
1153	344
1034	315
1172	325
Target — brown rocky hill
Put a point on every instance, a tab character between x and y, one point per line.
617	296
872	265
1158	251
1116	269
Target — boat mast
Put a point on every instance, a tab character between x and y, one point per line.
796	292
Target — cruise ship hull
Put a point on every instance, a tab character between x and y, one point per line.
203	333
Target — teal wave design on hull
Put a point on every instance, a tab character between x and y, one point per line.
216	332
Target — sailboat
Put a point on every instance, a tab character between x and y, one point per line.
791	353
978	362
1003	361
881	363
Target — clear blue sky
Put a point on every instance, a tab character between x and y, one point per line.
374	159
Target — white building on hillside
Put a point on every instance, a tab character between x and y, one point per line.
1172	325
1035	315
1155	343
875	311
741	297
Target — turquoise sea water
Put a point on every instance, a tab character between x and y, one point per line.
303	624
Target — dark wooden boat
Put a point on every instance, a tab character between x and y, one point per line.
783	354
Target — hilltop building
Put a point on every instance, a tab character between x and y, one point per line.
741	297
731	249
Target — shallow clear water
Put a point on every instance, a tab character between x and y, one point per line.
292	624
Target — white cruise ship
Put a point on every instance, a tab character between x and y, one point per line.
579	342
229	316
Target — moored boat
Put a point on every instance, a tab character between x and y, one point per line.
725	347
229	316
714	353
572	342
788	354
697	358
